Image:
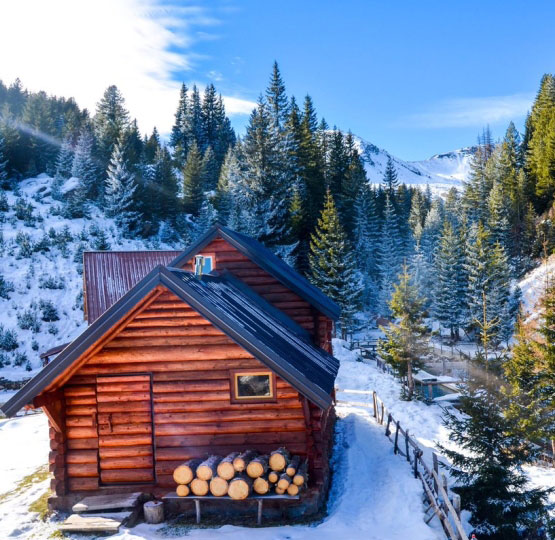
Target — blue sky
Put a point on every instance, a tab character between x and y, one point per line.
415	78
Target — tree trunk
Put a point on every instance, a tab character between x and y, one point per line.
186	471
218	486
242	460
154	511
293	466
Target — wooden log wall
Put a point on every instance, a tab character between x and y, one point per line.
109	438
277	294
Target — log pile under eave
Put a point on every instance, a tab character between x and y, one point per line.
241	474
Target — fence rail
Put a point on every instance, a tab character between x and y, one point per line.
444	504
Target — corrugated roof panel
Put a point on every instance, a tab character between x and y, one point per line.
108	275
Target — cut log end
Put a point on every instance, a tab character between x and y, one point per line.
242	460
273	477
240	487
182	490
279	459
293	466
208	468
261	485
184	473
225	467
218	486
257	466
293	490
199	487
284	481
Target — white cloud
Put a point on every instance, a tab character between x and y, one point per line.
78	48
469	112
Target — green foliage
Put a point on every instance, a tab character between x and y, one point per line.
333	266
486	461
49	313
406	339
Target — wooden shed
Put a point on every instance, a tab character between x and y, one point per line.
178	363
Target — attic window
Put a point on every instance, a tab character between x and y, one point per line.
253	386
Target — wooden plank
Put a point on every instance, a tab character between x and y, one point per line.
95	524
107	502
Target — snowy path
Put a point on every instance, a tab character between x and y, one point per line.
373	496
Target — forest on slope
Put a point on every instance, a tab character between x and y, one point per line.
289	170
301	188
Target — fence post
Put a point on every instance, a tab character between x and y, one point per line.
395	447
416	463
387	432
375	405
382	415
457	504
436	469
407	445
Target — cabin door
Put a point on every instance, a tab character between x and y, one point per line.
125	429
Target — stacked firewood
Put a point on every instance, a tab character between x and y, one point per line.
241	473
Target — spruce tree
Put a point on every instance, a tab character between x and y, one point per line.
499	217
333	266
276	98
179	140
449	293
266	176
64	163
120	189
230	175
366	237
486	461
110	121
390	180
210	170
405	342
3	166
85	169
193	176
389	259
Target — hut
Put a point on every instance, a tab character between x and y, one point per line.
219	348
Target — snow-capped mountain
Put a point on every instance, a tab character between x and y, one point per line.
441	171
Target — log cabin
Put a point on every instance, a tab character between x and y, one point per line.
221	347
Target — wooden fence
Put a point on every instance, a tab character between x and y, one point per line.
442	503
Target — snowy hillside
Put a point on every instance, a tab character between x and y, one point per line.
40	285
533	286
441	172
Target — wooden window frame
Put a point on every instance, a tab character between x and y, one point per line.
235	373
211	255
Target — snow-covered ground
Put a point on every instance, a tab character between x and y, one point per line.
533	286
374	495
29	275
441	172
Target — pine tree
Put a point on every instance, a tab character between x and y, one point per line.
449	302
499	217
206	218
64	163
164	188
540	136
3	166
389	259
85	169
276	98
194	122
120	188
110	121
405	341
230	175
333	266
487	463
210	170
390	180
266	178
366	235
193	188
489	285
179	140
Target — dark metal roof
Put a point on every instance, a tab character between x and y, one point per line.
108	275
243	316
268	261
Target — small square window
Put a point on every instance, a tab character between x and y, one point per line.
254	386
207	266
